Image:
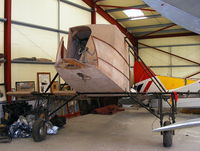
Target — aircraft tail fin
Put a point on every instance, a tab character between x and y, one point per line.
142	72
145	79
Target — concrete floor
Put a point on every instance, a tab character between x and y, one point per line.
124	131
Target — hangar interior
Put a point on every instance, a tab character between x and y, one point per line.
30	32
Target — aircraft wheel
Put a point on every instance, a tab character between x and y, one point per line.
167	136
39	131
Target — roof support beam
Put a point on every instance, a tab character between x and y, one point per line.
7	46
149	26
126	7
169	53
76	5
38	27
159	30
192	75
3	20
175	66
179	45
34	26
138	34
99	0
99	10
131	18
120	9
169	35
93	13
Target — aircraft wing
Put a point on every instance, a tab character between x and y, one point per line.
183	13
179	125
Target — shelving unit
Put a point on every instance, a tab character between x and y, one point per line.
3	99
2	60
32	62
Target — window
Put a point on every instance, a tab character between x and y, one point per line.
135	14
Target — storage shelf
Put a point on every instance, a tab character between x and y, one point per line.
32	62
3	102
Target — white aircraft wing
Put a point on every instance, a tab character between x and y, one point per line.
183	13
178	125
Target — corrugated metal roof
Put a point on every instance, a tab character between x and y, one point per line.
155	21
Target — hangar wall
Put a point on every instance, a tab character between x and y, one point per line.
1	50
1	8
33	42
1	46
187	47
30	42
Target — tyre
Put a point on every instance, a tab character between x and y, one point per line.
39	131
167	136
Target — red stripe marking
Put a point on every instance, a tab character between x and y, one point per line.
147	86
141	73
175	96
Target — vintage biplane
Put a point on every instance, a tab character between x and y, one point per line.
96	63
